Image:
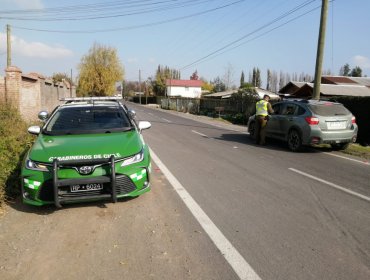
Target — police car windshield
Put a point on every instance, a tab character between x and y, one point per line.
88	119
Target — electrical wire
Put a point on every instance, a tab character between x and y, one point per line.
252	39
83	14
249	34
131	27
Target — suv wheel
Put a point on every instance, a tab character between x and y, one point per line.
294	140
252	130
339	146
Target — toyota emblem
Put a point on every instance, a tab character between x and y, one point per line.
84	170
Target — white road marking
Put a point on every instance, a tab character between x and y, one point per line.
232	256
201	134
151	114
347	158
331	184
166	120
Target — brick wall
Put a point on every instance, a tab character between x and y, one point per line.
32	93
2	89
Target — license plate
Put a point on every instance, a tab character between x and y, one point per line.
336	125
87	187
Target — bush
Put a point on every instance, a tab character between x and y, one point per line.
14	142
359	106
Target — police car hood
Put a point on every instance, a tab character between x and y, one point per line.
86	146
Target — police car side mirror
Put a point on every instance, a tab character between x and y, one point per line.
132	113
35	130
144	125
43	115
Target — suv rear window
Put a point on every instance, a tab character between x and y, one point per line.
329	109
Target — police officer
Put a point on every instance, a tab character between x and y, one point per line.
263	109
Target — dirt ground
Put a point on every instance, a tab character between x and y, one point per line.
153	236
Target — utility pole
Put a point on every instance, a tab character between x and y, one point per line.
70	86
320	50
146	92
140	85
9	46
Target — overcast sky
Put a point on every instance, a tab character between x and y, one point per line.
209	36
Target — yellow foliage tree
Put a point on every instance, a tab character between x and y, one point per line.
99	70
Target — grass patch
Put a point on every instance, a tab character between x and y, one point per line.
358	150
14	142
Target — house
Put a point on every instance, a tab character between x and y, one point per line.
332	90
184	88
330	86
290	88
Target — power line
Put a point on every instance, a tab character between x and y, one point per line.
85	14
134	26
249	34
252	39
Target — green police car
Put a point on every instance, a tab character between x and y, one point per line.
88	149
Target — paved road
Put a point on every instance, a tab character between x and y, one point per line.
290	215
149	237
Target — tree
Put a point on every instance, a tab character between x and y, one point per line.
268	82
345	70
281	80
218	85
61	77
228	76
194	76
159	82
242	79
356	72
100	69
256	77
244	100
206	86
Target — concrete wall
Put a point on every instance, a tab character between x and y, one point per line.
32	93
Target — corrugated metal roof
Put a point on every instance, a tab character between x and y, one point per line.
184	83
261	92
342	90
365	81
337	79
222	94
288	86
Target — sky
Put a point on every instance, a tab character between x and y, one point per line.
212	37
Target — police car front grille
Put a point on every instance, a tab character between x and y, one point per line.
124	185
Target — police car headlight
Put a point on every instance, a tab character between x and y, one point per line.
36	166
135	159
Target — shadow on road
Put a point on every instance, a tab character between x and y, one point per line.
207	126
272	144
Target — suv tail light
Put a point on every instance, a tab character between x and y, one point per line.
312	120
353	119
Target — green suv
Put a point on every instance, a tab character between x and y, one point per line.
88	149
307	122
